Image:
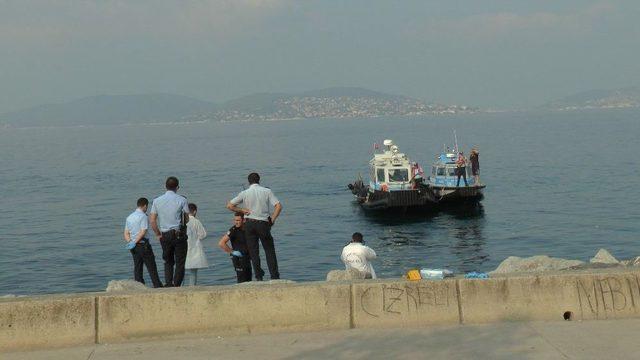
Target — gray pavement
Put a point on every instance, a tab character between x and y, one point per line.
605	339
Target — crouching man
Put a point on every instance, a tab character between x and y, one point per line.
358	256
238	250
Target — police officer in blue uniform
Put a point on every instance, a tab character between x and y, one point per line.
169	216
135	232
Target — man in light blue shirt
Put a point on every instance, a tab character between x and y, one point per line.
169	216
257	202
135	231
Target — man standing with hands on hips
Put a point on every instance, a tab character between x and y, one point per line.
257	202
169	216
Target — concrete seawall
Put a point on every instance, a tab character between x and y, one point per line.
56	321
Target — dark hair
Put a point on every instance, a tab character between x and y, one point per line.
253	178
192	207
142	202
238	213
172	183
357	237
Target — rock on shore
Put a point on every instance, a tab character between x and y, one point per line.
603	257
539	263
341	275
125	285
514	264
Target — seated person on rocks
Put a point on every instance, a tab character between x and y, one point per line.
358	256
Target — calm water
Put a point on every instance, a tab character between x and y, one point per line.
558	184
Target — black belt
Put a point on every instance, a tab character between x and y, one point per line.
249	219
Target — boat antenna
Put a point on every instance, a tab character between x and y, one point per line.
455	138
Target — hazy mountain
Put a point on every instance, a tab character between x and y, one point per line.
337	102
598	99
353	92
270	103
260	103
111	109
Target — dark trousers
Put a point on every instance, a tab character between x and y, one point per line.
143	255
462	171
242	265
174	252
254	230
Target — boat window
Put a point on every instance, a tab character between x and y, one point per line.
381	175
398	175
452	171
441	171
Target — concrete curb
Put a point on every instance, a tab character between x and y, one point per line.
28	323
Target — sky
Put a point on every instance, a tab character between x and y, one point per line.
489	53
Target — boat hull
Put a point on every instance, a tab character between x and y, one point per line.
425	196
453	194
380	200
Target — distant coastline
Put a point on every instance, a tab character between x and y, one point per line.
337	103
331	103
624	98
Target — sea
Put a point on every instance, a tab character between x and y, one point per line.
562	184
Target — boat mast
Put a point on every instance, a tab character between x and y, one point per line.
455	138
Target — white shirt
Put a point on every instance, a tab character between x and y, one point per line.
196	258
358	256
259	200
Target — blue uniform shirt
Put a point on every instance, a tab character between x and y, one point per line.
259	200
136	222
169	208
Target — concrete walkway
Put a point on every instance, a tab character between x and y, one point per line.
606	339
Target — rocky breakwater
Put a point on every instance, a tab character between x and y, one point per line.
544	263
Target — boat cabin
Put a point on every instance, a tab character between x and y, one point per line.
443	172
390	170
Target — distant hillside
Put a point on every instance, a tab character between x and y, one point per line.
259	104
111	109
271	103
354	92
337	102
598	99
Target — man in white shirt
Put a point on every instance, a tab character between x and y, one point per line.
257	202
357	255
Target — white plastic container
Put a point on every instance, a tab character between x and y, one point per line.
435	274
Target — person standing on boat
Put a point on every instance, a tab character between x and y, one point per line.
259	219
169	216
358	256
196	258
461	168
475	165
